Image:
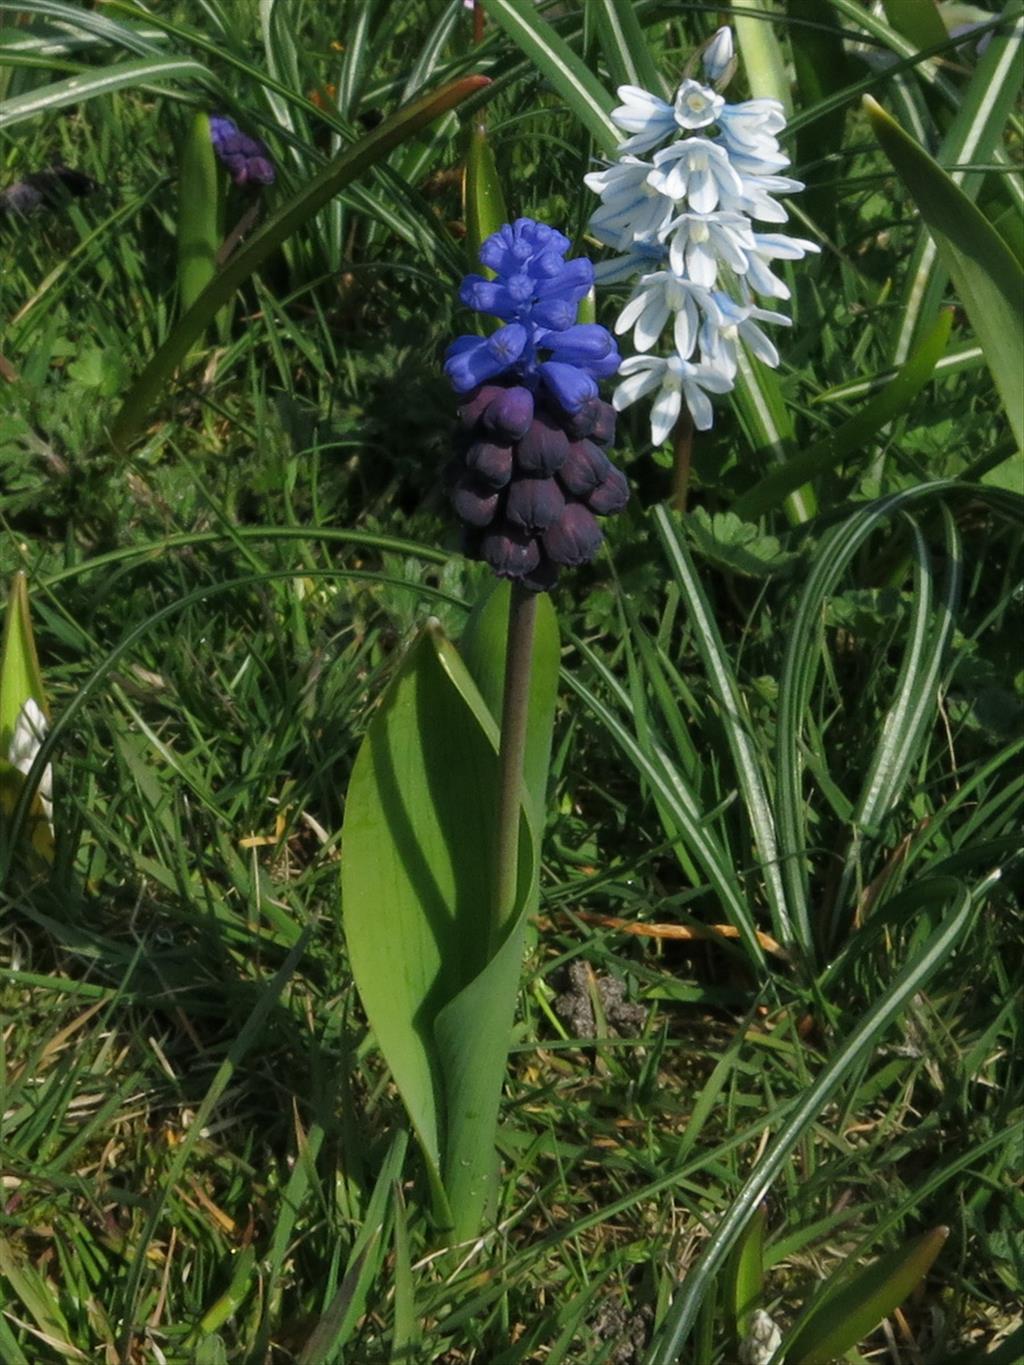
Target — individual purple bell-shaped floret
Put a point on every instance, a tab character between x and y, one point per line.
534	504
586	466
491	462
510	551
509	413
611	494
543	448
474	501
575	538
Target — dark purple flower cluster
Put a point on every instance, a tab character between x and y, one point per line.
531	474
247	158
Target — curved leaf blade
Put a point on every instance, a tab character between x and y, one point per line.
94	82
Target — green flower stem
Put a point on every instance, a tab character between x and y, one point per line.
522	612
682	451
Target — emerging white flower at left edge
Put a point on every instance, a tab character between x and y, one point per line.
29	732
647	117
676	380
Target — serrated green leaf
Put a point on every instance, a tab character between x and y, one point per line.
735	545
854	1305
987	276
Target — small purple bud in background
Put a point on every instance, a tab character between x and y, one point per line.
575	539
246	158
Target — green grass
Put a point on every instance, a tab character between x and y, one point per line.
203	1157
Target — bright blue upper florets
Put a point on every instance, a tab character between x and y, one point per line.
536	293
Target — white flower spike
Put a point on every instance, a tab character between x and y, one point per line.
29	732
685	224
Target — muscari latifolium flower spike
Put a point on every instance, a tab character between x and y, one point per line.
531	474
685	225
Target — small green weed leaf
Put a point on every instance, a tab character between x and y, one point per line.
735	545
745	1276
853	435
555	59
987	276
419	851
199	202
855	1304
346	167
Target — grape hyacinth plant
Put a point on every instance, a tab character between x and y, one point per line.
531	474
685	222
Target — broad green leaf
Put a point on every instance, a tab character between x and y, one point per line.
745	1276
821	67
95	81
419	851
854	1305
988	278
854	434
198	212
920	24
555	59
349	164
853	1053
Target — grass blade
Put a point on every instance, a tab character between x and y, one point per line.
858	1047
96	81
555	59
349	164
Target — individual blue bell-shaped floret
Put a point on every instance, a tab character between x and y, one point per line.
575	538
470	361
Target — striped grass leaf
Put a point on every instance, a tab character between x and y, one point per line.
145	74
552	56
960	908
349	164
625	46
745	1274
732	714
854	434
975	134
761	51
801	663
140	38
670	788
988	278
956	361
